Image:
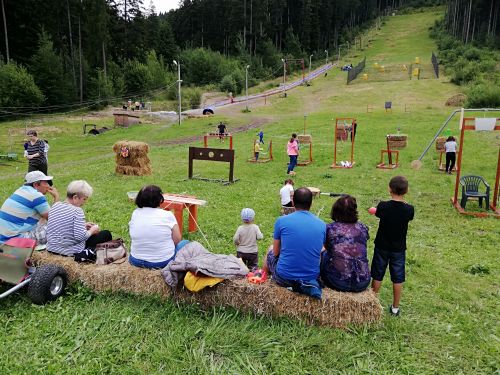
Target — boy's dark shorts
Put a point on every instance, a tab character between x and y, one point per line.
396	262
251	260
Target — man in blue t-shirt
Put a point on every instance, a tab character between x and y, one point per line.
294	258
21	213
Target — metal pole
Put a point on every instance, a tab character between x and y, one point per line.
310	57
284	74
179	88
326	61
246	84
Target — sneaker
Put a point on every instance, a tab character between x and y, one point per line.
393	311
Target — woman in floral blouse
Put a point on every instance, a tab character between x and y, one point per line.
344	264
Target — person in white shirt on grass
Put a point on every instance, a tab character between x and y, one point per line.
286	193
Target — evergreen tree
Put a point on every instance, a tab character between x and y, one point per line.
47	69
17	87
166	46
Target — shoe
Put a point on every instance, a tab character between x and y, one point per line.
397	313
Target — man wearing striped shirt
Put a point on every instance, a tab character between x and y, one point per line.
21	213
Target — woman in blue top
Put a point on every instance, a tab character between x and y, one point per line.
344	264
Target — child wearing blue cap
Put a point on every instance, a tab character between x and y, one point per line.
245	239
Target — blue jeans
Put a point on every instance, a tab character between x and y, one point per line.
311	288
156	265
293	163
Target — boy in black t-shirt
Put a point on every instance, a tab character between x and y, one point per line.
390	242
222	131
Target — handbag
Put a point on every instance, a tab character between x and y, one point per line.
110	252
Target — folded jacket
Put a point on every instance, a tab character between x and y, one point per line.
195	258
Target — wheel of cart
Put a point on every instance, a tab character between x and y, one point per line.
45	283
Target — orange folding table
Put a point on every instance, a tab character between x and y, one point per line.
177	203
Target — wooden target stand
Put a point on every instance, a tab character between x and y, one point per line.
305	140
220	136
342	133
390	153
471	124
212	154
266	158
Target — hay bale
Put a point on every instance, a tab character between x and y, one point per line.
343	131
304	139
440	141
457	100
397	140
416	164
335	310
137	162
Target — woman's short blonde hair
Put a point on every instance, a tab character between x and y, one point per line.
80	188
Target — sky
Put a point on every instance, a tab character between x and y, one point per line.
163	5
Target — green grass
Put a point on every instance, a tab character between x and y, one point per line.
450	309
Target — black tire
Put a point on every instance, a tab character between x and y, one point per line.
47	283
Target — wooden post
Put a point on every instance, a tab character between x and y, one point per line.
497	177
352	141
335	145
191	157
389	155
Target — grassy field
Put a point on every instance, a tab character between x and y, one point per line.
450	308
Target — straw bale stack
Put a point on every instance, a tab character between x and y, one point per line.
342	131
440	141
304	139
397	140
137	163
335	310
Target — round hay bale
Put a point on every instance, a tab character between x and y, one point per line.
136	161
457	100
416	164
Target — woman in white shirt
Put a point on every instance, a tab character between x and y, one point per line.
154	232
450	148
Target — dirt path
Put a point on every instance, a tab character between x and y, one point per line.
256	123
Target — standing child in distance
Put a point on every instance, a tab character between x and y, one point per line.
390	242
256	149
292	149
261	136
245	239
222	131
450	148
